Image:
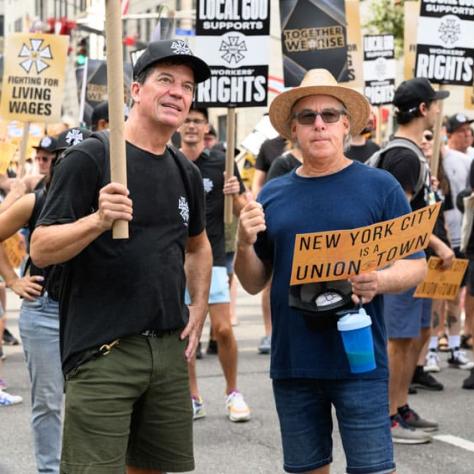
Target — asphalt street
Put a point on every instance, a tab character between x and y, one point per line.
222	447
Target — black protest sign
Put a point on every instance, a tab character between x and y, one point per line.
445	42
379	68
96	87
233	38
313	36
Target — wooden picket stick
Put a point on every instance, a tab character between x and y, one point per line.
118	160
23	146
229	163
437	137
378	129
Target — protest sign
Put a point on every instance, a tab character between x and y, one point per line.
442	284
33	80
445	42
355	73
313	34
411	12
234	39
7	152
340	254
379	68
96	85
15	250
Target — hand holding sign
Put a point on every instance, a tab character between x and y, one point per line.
114	204
364	287
252	221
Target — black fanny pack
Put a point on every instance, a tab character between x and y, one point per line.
322	304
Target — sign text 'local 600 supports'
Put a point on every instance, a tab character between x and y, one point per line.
379	68
445	42
233	38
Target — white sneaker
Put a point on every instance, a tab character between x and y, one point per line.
459	360
432	362
237	409
6	399
198	408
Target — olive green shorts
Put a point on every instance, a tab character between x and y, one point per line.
130	407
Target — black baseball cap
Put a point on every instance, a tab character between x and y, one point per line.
48	144
413	92
101	111
71	137
456	121
164	50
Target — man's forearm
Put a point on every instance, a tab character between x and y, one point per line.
251	271
401	276
198	266
59	243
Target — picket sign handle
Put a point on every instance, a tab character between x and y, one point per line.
118	160
437	137
23	145
378	129
229	163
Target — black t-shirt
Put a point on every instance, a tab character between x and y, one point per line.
211	164
282	165
269	150
404	165
116	288
363	152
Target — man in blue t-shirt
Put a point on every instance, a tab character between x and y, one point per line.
309	368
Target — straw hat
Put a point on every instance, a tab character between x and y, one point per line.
321	82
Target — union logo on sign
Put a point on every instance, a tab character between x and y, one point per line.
233	46
36	55
450	30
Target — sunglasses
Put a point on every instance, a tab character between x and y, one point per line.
194	121
308	117
428	137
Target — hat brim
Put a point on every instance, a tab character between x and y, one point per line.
440	95
357	106
200	68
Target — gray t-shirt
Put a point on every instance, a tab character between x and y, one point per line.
456	166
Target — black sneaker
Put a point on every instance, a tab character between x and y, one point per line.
212	347
412	390
9	339
469	382
413	420
199	351
426	381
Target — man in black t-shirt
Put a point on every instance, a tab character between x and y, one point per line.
408	319
125	331
212	167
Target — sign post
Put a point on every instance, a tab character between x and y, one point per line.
229	163
118	160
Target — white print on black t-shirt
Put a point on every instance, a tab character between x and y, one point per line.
184	209
208	184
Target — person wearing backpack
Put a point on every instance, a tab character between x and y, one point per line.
408	319
39	319
126	333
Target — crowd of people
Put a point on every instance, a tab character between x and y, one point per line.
115	325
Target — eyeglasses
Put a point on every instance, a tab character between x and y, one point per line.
308	117
44	159
195	121
428	136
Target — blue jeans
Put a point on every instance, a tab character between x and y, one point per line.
304	410
39	331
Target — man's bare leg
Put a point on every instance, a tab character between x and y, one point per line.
137	470
399	376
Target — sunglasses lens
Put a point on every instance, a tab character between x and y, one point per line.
306	118
428	137
330	116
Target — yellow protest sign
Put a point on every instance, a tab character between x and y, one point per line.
7	153
33	78
442	284
15	250
338	255
355	53
412	12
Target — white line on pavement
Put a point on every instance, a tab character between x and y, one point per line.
456	441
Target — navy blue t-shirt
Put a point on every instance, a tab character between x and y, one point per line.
355	197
